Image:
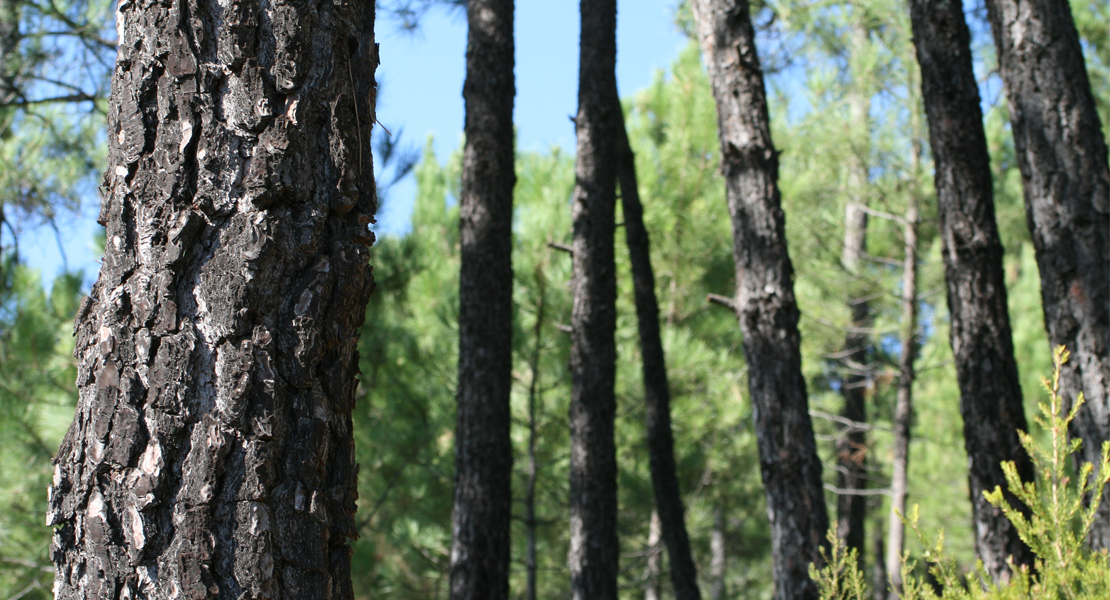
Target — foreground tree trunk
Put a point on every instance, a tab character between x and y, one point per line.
1063	161
211	455
594	550
483	449
657	394
990	391
765	302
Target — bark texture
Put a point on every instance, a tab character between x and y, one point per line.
1063	161
594	551
211	455
657	393
990	391
483	449
765	302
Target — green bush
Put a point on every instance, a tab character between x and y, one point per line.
1061	511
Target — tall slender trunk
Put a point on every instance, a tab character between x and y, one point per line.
851	442
657	393
903	408
718	557
530	522
879	581
652	588
765	302
990	390
1063	161
594	549
212	455
483	448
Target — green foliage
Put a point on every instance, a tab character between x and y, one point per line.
37	397
1059	510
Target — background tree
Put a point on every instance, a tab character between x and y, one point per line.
765	303
594	548
669	519
1066	180
483	448
216	353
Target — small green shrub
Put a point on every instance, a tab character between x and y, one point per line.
1057	523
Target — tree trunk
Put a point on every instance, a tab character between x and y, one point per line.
657	394
879	581
718	558
851	441
765	303
530	521
990	391
1063	161
211	455
483	448
652	588
903	408
594	550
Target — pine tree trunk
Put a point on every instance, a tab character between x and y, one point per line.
851	441
657	393
851	446
990	391
483	449
211	455
594	549
718	558
652	588
1063	161
765	302
903	408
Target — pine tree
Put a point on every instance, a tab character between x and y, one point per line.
765	303
212	450
483	448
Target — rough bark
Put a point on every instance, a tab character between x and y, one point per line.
765	304
594	552
990	390
903	407
211	455
483	449
657	394
1063	161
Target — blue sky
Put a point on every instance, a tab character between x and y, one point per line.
421	78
